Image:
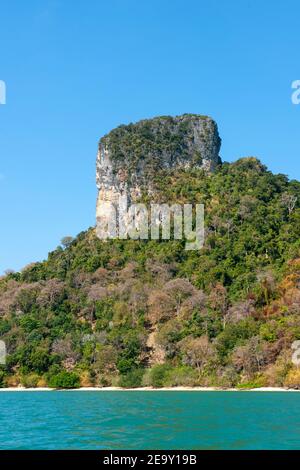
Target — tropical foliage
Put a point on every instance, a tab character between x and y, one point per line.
150	313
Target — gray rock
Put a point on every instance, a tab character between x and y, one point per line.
130	156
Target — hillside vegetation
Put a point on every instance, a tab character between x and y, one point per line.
134	313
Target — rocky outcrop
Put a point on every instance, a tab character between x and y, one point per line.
130	156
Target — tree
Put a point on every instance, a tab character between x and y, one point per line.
218	299
63	347
66	241
197	352
289	201
196	301
97	292
266	286
25	298
239	311
52	293
249	357
160	306
179	290
106	357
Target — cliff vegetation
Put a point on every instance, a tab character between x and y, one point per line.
134	313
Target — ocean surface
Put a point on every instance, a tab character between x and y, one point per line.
149	420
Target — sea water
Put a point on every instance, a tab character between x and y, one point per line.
149	420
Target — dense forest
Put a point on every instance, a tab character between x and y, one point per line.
149	313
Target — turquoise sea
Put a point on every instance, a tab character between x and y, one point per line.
149	420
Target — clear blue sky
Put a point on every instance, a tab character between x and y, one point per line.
76	69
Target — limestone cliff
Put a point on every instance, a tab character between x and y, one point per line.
130	156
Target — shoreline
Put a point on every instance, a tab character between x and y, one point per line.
149	389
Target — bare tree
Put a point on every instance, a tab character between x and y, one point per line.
51	293
64	348
289	201
179	289
196	301
249	357
218	300
160	305
97	292
197	352
239	311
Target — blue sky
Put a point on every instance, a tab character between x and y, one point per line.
75	69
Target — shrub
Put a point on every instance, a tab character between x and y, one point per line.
30	380
226	377
268	331
158	375
276	373
132	380
181	376
257	382
293	379
86	380
108	380
64	380
2	379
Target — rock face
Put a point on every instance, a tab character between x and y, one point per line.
129	157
